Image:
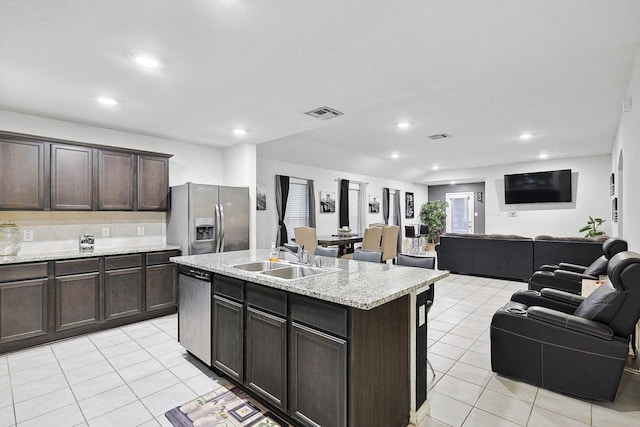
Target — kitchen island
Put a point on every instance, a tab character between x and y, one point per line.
343	347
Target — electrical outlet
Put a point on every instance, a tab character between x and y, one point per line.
140	230
105	231
27	236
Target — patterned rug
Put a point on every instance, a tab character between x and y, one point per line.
227	406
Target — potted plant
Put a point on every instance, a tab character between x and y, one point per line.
433	214
592	227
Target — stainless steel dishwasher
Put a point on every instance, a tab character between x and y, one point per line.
194	312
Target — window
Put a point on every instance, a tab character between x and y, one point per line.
297	213
393	220
354	207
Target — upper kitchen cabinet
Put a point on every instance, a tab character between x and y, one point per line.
22	177
153	182
115	180
72	169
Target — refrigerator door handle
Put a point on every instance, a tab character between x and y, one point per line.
222	229
217	231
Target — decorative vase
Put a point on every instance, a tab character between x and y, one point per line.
9	239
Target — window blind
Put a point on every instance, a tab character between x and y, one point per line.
297	214
354	208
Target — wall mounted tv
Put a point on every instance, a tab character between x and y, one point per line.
538	187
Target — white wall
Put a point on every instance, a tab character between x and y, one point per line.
324	180
628	143
190	162
240	171
590	176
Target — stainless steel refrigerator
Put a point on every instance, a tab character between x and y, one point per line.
208	218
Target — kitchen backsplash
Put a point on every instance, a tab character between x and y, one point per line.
61	231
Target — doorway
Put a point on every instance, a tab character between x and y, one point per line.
460	212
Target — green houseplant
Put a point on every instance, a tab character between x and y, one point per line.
433	214
592	227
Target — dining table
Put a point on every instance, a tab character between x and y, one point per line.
344	241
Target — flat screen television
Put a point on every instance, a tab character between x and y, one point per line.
538	187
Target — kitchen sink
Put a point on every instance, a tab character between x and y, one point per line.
261	266
298	272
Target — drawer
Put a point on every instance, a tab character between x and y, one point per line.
154	258
228	286
267	299
325	316
10	273
122	261
76	266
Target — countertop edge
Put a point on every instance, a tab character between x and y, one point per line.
60	255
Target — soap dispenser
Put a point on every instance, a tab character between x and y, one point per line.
273	253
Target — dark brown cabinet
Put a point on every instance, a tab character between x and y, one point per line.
266	356
161	280
317	377
72	177
122	286
153	183
23	301
77	285
115	180
228	332
22	180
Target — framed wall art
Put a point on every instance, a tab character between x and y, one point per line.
408	205
327	201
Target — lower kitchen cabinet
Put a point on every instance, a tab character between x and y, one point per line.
77	300
228	332
266	354
122	292
162	286
23	309
317	377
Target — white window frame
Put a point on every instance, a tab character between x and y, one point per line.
297	211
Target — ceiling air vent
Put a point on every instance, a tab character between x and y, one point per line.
439	136
324	113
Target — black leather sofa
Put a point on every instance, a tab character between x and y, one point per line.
493	255
512	257
567	343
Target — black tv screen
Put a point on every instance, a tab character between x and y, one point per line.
538	187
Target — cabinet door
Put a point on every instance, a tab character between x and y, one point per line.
266	355
317	377
22	175
153	183
228	336
122	292
77	300
115	180
23	309
161	286
71	177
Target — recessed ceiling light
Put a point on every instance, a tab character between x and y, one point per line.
239	131
525	136
543	156
403	125
146	61
395	155
107	101
435	168
453	183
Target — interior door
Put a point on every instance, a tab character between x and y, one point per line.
460	212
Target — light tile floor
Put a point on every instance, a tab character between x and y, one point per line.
130	376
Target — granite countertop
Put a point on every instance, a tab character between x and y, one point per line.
57	255
362	285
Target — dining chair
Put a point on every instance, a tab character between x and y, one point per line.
367	255
328	252
421	262
410	231
389	243
370	240
306	236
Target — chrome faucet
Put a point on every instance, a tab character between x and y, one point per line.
299	255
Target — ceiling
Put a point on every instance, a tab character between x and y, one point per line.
481	71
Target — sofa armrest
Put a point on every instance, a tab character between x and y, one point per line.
546	279
571	322
548	267
572	275
572	267
562	296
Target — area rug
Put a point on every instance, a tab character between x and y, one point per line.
227	406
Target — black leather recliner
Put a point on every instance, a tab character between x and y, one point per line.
568	277
567	343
